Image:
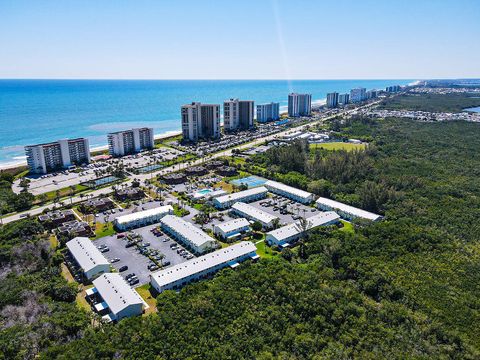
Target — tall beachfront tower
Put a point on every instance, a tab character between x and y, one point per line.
358	95
299	104
200	121
127	142
268	112
332	100
48	157
237	115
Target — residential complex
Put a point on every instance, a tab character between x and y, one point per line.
371	94
90	260
299	104
127	142
226	201
332	100
345	211
268	112
237	115
358	95
116	297
232	229
343	99
394	88
200	121
254	214
188	234
288	234
50	157
177	276
289	192
142	218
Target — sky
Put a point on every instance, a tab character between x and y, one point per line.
233	39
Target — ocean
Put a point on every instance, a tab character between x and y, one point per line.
36	111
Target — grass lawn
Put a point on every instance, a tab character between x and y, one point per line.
347	226
63	192
81	301
265	251
102	230
53	241
144	292
339	146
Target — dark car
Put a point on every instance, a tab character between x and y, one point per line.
123	268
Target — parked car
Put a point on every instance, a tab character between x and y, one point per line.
114	260
123	268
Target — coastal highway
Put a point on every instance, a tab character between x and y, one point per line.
143	177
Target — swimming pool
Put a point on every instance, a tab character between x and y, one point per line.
250	181
201	193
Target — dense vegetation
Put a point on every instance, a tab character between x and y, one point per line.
406	287
37	306
431	102
9	201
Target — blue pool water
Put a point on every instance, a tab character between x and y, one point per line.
250	181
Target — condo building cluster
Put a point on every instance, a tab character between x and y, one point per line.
65	153
356	95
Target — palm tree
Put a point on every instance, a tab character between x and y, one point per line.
72	191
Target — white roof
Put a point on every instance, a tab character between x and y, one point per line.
288	189
190	267
238	196
125	219
335	205
255	213
233	225
86	253
295	228
189	231
115	291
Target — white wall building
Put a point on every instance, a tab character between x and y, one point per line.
232	228
127	142
88	257
343	99
249	195
345	211
50	157
358	95
268	112
237	114
118	297
142	218
290	192
254	214
177	276
290	233
188	234
332	100
299	104
200	121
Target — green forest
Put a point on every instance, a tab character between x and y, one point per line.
406	287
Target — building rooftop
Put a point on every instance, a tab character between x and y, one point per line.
85	253
295	228
116	292
336	205
289	189
254	212
187	230
143	214
190	267
241	194
233	225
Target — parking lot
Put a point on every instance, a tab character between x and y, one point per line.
131	257
294	209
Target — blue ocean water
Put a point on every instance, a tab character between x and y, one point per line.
35	111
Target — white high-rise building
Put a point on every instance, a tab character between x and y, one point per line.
343	99
44	158
332	100
268	112
299	104
127	142
200	121
237	114
371	94
358	95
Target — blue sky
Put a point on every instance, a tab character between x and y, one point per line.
261	39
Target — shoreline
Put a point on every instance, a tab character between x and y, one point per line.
8	165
